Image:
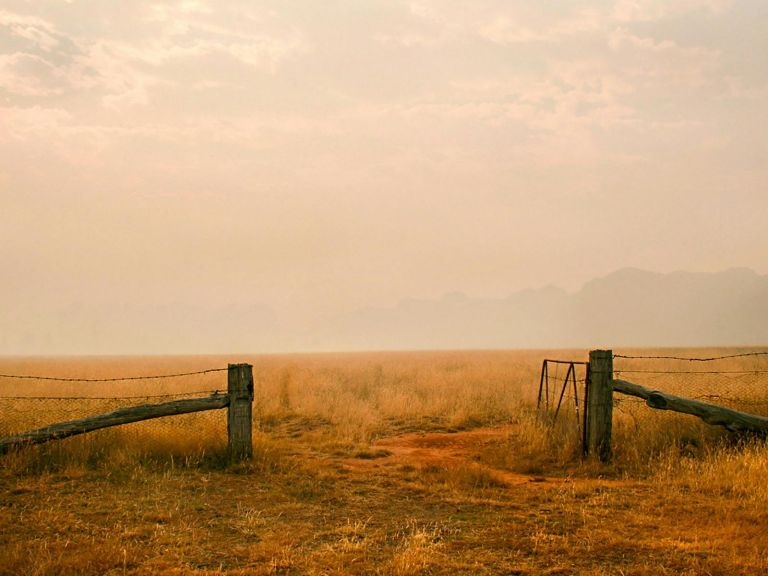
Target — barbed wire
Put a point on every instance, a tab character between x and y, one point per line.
746	372
111	397
120	379
682	358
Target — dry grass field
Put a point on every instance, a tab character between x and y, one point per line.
377	463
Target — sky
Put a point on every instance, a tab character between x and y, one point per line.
201	176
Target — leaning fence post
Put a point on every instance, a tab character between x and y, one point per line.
239	415
599	409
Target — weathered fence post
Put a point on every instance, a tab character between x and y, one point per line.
239	415
599	409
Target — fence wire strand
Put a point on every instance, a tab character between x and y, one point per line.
119	379
45	400
689	359
741	384
747	372
142	396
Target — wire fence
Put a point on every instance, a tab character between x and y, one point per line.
116	379
738	380
30	401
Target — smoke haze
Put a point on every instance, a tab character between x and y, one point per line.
193	176
628	308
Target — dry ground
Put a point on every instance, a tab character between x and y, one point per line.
386	488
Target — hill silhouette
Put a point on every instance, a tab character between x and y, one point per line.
629	307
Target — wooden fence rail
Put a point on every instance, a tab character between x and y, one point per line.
713	414
118	417
238	400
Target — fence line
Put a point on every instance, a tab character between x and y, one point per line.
746	372
238	399
682	358
121	379
117	417
110	397
742	379
713	414
603	381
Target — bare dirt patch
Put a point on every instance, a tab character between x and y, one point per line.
448	451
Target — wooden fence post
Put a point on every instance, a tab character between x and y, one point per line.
599	407
240	413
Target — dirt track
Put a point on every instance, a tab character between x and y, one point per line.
456	449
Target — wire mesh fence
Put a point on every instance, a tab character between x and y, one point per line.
29	401
738	380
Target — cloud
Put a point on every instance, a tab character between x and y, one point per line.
261	52
621	37
255	37
652	10
508	23
25	74
39	31
25	123
503	29
121	72
651	58
407	40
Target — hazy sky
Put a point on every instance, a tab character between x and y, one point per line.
305	158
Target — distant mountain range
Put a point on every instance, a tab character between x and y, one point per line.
627	308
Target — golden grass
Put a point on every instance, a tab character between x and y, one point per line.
380	463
